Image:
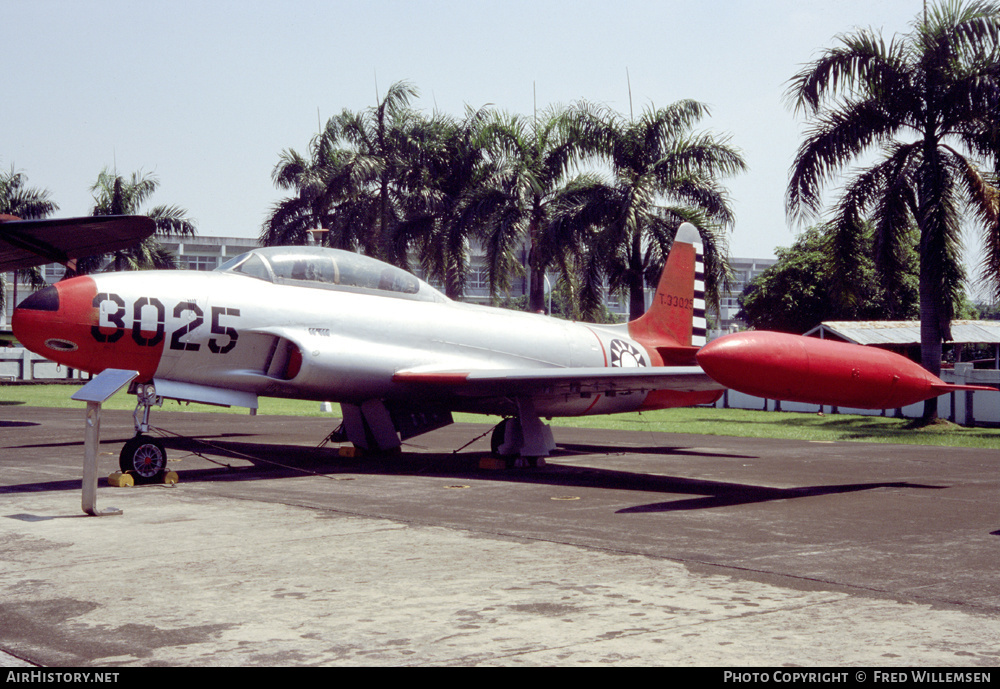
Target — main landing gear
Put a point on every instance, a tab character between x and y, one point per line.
503	450
523	438
144	457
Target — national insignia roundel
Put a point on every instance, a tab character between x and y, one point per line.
624	355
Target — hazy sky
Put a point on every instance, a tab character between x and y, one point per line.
205	94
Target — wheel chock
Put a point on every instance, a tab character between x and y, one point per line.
492	463
120	480
349	451
125	480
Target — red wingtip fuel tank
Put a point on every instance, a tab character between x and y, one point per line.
63	323
806	369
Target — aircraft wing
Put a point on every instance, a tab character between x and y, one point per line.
556	381
27	243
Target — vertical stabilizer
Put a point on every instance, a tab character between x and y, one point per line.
674	326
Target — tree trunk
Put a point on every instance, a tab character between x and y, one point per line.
452	288
931	226
384	244
536	303
930	339
637	283
636	299
536	271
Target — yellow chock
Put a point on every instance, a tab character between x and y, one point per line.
120	480
170	477
350	451
492	463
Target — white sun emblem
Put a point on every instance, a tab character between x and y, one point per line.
624	355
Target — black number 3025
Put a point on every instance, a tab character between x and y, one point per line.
111	325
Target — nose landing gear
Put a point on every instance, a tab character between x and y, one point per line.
143	456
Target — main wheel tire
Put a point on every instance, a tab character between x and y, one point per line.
145	458
497	438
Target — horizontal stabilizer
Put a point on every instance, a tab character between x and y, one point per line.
678	355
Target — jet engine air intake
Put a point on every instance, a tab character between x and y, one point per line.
285	360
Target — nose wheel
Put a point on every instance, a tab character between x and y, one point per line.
145	458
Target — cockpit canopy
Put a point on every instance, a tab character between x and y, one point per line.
334	269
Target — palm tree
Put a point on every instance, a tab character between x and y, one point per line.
19	200
449	205
927	103
531	160
115	195
663	175
16	198
319	182
359	182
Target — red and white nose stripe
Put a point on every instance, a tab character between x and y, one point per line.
72	324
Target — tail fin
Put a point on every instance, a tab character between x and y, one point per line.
674	326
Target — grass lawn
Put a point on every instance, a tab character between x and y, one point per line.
698	420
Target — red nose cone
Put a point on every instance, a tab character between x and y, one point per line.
806	369
51	322
63	323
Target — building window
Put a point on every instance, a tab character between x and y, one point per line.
53	272
479	278
198	262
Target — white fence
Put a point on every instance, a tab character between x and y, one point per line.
17	363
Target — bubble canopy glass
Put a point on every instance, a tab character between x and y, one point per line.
335	269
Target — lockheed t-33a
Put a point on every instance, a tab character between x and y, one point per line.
329	325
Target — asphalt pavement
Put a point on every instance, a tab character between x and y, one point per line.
626	548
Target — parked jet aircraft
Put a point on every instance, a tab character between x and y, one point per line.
329	325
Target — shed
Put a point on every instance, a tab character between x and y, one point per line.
903	335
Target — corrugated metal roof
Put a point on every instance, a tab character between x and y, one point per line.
902	333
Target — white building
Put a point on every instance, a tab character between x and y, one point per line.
744	270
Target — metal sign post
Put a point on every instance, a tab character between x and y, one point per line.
95	393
